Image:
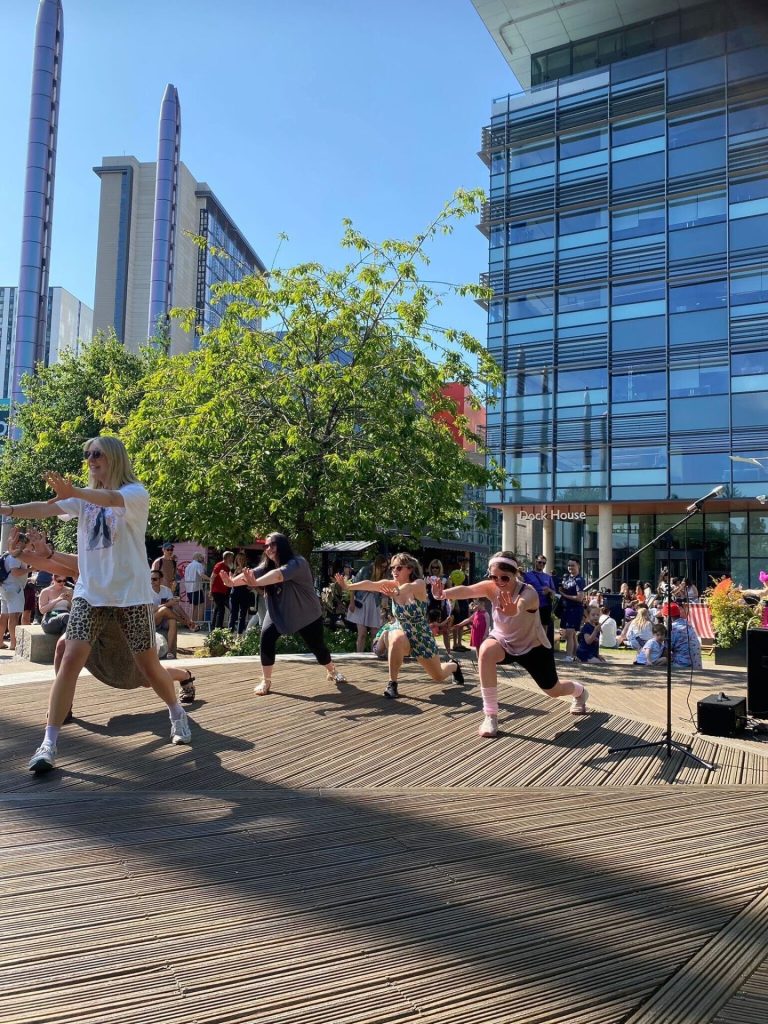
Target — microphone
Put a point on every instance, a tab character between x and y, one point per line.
700	501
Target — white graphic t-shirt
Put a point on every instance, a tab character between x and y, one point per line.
111	552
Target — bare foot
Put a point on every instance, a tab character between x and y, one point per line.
262	689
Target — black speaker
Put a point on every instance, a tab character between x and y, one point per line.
757	672
721	715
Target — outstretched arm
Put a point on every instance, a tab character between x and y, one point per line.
31	510
375	586
485	588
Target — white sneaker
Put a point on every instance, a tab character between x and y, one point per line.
490	727
43	759
180	731
579	704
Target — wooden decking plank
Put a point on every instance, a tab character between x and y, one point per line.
317	856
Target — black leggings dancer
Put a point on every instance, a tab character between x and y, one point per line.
312	635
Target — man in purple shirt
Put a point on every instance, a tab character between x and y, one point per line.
546	587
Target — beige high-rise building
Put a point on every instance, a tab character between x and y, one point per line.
127	224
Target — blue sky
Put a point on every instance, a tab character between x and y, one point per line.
296	112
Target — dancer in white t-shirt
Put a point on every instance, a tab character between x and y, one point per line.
114	583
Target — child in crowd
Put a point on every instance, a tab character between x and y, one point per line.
479	623
588	639
440	621
655	649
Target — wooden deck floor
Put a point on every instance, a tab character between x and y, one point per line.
322	855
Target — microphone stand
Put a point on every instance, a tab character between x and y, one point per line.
666	740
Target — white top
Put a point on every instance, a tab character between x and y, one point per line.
111	552
192	574
607	631
163	594
13	582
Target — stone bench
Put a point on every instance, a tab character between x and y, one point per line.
32	644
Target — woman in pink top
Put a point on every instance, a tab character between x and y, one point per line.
517	636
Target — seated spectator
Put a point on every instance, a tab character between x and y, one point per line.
588	638
655	649
608	631
168	613
684	643
638	630
55	606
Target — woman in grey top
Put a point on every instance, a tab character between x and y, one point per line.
292	607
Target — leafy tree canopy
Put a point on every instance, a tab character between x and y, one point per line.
64	407
311	407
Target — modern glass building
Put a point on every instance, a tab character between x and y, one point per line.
628	256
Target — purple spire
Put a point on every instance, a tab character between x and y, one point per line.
164	226
32	308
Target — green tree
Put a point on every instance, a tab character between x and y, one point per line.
64	407
312	407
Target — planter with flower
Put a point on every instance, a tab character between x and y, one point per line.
731	616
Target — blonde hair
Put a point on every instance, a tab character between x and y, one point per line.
119	468
436	561
417	573
642	618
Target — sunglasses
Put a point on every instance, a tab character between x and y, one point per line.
155	577
92	453
499	579
397	568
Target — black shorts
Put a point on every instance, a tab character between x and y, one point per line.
539	663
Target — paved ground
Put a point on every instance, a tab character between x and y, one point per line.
323	855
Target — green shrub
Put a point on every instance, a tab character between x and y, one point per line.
221	643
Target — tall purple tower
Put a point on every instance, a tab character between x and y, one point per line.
166	193
32	306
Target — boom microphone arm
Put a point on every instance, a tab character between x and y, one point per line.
689	513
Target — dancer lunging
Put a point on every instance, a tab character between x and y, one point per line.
292	607
517	636
409	632
113	585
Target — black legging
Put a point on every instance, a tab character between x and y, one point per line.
239	603
220	605
312	635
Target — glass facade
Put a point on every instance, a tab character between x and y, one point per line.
628	257
225	258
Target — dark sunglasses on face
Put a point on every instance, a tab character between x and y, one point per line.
92	453
499	579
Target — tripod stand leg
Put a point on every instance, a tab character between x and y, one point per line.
669	743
